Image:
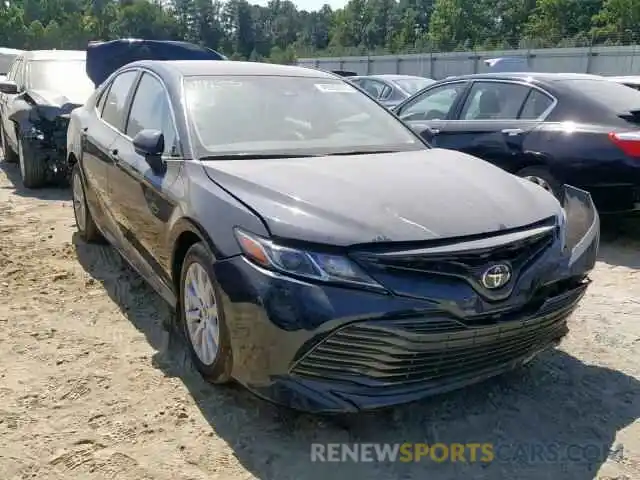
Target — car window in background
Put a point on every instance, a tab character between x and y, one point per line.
63	77
11	75
150	110
434	104
266	114
494	101
536	104
113	112
612	95
18	76
375	88
413	85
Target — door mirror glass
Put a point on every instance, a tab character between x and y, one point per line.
8	87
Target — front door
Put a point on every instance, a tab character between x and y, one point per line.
427	113
144	205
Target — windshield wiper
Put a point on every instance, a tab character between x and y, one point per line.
361	152
254	156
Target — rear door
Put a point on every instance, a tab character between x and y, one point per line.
494	121
98	138
427	112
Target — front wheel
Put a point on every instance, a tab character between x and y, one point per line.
32	170
202	317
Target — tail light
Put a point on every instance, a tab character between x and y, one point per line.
628	142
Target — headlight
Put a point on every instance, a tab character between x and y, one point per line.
313	265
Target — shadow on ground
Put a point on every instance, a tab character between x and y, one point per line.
555	419
51	192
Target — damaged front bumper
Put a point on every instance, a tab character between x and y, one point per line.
46	141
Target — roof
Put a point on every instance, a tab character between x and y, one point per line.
10	51
391	76
55	55
190	68
540	76
634	79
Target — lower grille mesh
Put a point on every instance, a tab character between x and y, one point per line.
400	352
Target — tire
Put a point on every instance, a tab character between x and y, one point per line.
84	221
543	177
217	367
32	170
7	152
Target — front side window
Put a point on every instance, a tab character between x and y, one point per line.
494	101
67	78
150	110
116	101
271	114
434	104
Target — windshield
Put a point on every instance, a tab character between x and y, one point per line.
272	114
611	95
63	77
413	85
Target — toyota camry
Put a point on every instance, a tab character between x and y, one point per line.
316	249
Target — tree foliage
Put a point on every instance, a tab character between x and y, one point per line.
279	31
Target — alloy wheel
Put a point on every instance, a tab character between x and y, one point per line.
79	204
201	313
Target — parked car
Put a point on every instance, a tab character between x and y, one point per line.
390	90
44	86
507	64
41	88
550	128
7	56
632	81
315	248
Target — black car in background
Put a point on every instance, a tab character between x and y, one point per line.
40	90
314	247
390	90
554	129
43	87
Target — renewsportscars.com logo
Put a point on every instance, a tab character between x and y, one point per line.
462	452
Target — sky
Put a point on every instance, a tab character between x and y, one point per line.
308	4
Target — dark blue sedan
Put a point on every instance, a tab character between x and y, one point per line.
314	247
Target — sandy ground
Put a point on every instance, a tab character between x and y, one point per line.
93	387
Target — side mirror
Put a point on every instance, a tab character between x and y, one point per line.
428	134
9	87
150	144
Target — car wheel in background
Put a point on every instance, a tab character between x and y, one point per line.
7	152
32	170
84	221
202	317
543	178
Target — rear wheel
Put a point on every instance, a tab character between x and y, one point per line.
84	221
202	317
543	178
8	154
32	170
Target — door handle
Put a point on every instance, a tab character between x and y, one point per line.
512	132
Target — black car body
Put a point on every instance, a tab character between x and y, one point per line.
43	87
390	90
325	257
555	129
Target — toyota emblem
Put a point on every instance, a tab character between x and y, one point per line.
496	276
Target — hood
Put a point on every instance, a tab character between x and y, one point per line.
104	58
56	100
408	196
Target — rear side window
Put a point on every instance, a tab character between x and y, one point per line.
114	107
537	103
494	101
611	95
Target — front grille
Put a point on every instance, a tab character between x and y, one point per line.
401	352
471	263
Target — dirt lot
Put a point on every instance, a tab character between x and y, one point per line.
92	387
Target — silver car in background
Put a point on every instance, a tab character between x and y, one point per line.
390	90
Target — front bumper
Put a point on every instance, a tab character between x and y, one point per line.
325	348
